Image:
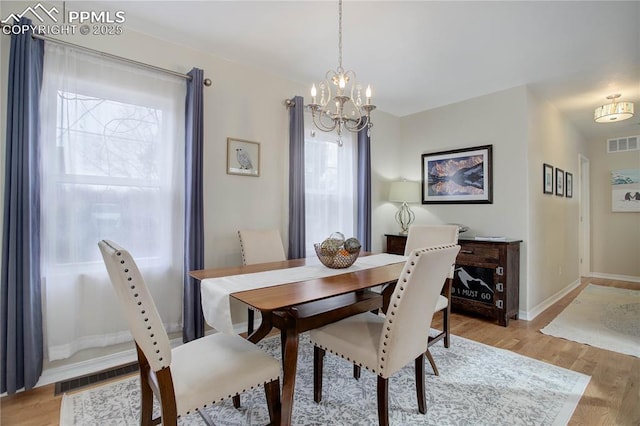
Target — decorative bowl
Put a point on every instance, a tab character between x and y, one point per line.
338	260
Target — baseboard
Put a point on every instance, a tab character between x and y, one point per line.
541	307
629	278
90	366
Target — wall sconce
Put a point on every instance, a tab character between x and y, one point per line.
404	192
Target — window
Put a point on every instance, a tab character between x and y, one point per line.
330	185
112	167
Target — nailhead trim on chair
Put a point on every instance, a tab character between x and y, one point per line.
143	310
229	396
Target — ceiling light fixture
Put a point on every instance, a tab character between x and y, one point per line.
342	105
615	111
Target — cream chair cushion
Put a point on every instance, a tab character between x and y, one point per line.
236	364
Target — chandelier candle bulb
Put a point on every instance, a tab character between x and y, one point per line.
368	93
314	92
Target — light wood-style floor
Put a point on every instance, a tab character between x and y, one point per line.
611	398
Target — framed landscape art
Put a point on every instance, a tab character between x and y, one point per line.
458	176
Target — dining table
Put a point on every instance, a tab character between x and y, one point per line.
295	296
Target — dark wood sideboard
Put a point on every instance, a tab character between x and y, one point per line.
486	279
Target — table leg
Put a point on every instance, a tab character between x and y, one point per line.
289	379
265	327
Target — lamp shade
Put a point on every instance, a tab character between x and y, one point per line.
404	192
615	111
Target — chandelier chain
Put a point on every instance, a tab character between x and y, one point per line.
340	35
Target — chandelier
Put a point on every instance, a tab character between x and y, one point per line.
615	111
342	105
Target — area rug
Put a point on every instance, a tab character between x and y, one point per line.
605	317
478	385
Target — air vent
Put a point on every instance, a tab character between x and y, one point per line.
629	143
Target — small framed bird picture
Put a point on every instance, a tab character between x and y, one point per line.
243	157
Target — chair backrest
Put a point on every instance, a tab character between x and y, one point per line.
421	236
408	320
260	246
143	318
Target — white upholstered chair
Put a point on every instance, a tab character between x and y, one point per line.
259	246
421	236
384	345
191	376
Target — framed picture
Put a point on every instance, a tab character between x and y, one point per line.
547	178
625	190
568	185
243	157
461	176
559	182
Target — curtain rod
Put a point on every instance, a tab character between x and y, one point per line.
207	81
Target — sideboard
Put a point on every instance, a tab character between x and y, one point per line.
486	279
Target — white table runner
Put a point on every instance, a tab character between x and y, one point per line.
215	291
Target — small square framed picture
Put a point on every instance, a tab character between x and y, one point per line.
243	157
547	178
559	182
568	185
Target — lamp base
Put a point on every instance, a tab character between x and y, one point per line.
405	217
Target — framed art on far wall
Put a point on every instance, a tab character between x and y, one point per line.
243	157
547	178
559	182
568	185
462	176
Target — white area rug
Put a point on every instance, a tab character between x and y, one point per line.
478	385
605	317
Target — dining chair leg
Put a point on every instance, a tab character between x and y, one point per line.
383	401
318	364
422	405
250	316
146	401
445	325
356	371
272	393
446	314
432	362
146	393
283	341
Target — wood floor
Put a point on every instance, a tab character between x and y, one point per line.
611	398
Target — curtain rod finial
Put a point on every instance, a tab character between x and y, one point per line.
207	82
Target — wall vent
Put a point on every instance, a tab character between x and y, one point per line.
629	143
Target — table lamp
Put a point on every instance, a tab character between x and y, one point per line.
404	192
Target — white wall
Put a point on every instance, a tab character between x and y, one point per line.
553	261
615	237
498	119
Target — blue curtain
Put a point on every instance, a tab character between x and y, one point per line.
364	189
193	320
296	179
21	308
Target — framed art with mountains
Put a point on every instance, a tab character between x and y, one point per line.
461	176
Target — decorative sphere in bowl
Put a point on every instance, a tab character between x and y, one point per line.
338	253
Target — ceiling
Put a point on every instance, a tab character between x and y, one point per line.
419	55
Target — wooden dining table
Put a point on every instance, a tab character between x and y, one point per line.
300	306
